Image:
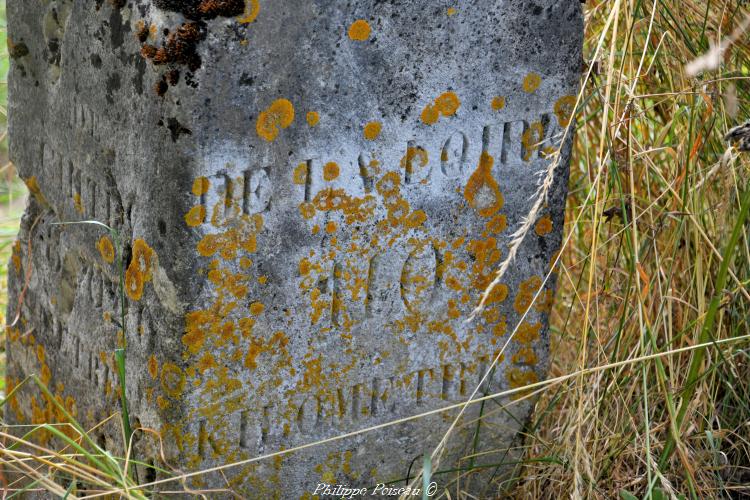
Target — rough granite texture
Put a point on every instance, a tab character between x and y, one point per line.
313	195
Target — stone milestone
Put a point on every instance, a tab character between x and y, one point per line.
312	196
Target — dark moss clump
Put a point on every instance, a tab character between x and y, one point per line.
181	47
203	9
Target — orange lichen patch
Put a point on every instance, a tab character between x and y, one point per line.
257	308
360	30
544	226
252	356
415	219
498	294
16	256
414	157
430	115
531	139
564	108
518	378
198	325
172	380
153	367
545	301
313	117
200	186
446	104
304	267
526	292
196	216
279	115
482	191
525	356
227	281
500	328
140	269
527	333
307	210
33	185
106	249
531	82
252	9
498	103
331	227
451	11
372	130
77	203
241	235
497	224
134	284
331	171
207	362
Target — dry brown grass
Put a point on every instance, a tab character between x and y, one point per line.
650	149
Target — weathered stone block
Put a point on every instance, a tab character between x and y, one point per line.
313	196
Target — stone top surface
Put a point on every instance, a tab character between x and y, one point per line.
314	194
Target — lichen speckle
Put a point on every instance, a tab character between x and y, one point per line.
372	130
531	82
106	249
498	103
252	10
447	104
331	171
544	226
279	115
360	30
564	108
313	117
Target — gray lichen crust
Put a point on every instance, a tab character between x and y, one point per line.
313	195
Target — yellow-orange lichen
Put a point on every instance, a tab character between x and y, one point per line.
172	380
531	139
16	256
77	203
526	292
360	30
564	108
252	9
299	176
106	249
447	104
331	171
257	308
531	82
498	103
153	367
331	227
279	115
372	130
139	271
544	226
482	191
527	333
525	356
313	117
252	356
518	378
196	216
200	186
496	224
451	11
